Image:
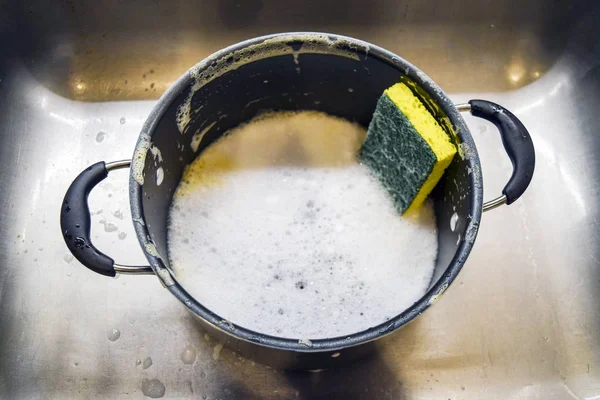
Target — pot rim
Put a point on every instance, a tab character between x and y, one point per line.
306	344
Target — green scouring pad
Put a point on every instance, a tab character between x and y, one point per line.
406	148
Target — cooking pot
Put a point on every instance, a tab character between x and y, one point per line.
334	74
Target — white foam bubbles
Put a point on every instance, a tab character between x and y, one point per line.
278	229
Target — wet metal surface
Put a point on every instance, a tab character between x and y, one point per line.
520	322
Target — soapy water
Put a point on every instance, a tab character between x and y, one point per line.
277	228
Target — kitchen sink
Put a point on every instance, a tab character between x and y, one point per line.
77	80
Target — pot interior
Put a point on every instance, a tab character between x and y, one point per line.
341	77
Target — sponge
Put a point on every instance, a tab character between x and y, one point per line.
406	148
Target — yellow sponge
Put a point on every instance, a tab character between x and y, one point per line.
406	147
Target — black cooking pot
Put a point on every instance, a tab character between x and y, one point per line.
297	71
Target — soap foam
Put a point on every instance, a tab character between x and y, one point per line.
278	229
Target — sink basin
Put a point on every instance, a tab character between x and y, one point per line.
77	80
122	50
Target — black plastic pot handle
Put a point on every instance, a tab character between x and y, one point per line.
517	143
75	222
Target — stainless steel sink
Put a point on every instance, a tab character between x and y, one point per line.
77	80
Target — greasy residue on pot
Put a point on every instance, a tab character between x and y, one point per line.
293	44
256	101
182	117
295	54
471	232
164	275
476	171
151	249
156	153
228	323
465	151
431	84
433	299
198	136
139	159
139	221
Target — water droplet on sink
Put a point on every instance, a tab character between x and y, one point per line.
108	226
147	363
122	235
100	136
68	258
153	388
189	355
114	335
122	121
138	362
217	351
118	213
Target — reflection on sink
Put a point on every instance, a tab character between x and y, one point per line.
118	50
